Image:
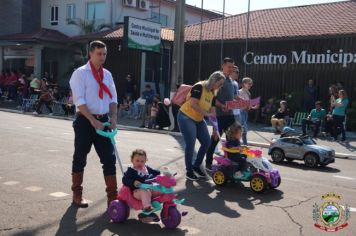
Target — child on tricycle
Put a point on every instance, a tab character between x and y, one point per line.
148	190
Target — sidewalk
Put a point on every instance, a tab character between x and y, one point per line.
258	135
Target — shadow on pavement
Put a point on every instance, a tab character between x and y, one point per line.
300	165
198	198
348	146
198	195
101	224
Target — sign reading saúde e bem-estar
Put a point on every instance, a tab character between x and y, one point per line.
142	34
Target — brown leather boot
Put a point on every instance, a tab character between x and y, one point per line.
77	180
111	188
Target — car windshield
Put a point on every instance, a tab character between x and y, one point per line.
308	141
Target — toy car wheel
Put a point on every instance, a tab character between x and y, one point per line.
219	178
258	184
173	219
118	211
311	160
277	155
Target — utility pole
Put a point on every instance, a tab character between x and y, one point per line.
247	31
200	39
178	45
222	34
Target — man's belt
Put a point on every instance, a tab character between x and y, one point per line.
96	116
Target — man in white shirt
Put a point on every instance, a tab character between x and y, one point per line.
95	98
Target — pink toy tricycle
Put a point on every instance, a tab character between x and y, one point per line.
119	210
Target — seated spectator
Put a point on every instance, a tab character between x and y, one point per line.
69	107
56	94
2	82
268	110
329	124
46	98
148	94
162	119
35	85
280	119
153	115
315	117
124	108
136	108
12	86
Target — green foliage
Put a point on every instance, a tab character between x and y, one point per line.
88	26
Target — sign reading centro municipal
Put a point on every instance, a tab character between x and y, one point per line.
303	57
142	34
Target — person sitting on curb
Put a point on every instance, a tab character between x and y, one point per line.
315	117
279	120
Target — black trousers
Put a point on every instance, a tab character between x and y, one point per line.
85	137
224	122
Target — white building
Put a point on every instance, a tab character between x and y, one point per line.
40	38
56	13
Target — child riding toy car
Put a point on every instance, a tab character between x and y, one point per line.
259	171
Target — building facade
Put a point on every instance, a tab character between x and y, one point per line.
56	13
42	34
285	48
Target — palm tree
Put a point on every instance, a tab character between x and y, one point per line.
88	26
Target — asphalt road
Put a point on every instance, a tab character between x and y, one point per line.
35	196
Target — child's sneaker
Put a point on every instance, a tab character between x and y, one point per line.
148	218
191	176
199	173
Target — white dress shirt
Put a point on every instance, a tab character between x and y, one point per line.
236	112
85	90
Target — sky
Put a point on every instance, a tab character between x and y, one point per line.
234	7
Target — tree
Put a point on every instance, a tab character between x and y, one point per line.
88	26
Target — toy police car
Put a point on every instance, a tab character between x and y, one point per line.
301	148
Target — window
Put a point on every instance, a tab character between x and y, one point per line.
54	15
70	11
159	18
96	11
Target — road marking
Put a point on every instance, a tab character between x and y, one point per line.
28	127
33	188
317	184
352	209
10	183
53	150
58	194
343	177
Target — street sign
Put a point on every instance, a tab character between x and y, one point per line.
142	34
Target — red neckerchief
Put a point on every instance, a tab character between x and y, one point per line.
99	76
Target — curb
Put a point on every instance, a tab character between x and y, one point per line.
133	128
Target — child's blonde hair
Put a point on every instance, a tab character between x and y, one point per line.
232	130
139	152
